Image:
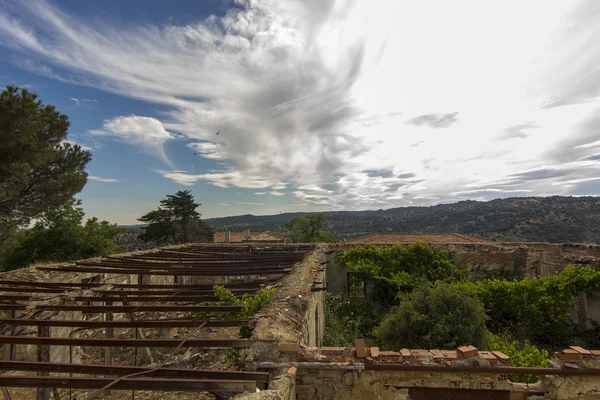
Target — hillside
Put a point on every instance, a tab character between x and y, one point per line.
544	219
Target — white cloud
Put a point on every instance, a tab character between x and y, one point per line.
317	94
588	145
215	151
248	204
225	205
79	101
101	179
276	193
146	133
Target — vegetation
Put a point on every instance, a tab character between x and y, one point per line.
441	316
61	235
38	171
176	221
39	175
536	309
310	229
250	303
536	219
521	355
232	355
404	267
348	319
435	306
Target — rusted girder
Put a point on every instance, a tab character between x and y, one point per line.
233	285
117	298
120	309
128	383
184	267
94	369
181	292
161	323
52	341
158	271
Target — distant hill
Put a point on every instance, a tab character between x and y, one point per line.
533	219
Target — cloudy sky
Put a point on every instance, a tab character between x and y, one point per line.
268	106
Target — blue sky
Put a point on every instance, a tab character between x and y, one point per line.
319	104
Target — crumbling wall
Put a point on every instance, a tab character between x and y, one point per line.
294	314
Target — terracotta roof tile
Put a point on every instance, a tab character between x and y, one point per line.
390	238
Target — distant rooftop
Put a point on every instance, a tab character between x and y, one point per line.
390	238
239	237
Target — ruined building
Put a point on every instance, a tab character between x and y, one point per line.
137	326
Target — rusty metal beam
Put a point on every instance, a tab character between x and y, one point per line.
97	297
233	285
156	384
120	309
161	323
158	271
53	341
185	267
157	292
95	369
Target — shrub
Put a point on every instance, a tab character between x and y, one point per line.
347	319
442	316
536	309
521	354
250	303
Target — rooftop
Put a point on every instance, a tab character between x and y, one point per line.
238	237
428	238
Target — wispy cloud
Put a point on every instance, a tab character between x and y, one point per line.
225	205
215	151
79	101
102	179
315	94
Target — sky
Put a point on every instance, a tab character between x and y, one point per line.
268	106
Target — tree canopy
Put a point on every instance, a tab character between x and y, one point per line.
403	267
38	171
61	235
176	221
440	317
309	229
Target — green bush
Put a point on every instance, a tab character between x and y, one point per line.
536	309
403	267
442	316
250	303
522	354
347	319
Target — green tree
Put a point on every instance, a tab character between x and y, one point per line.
38	172
309	229
403	267
442	316
176	221
60	235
